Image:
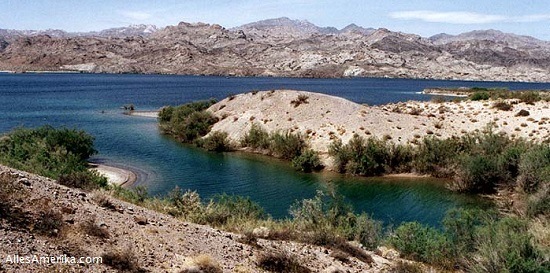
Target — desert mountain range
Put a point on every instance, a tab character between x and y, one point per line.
279	47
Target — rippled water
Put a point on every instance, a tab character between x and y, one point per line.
92	103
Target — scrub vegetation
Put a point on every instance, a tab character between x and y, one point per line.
471	240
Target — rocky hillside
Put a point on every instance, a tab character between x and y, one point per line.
281	47
40	217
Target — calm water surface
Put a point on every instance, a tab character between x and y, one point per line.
92	103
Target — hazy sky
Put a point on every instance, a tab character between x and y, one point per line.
527	17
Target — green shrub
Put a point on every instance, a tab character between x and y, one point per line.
480	95
230	210
361	156
460	228
165	114
136	195
538	203
287	145
478	174
86	180
187	122
196	125
529	97
256	138
217	141
534	168
327	217
186	203
436	156
505	246
307	161
46	150
422	243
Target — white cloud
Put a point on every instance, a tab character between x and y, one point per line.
464	18
136	15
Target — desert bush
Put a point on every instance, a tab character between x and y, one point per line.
103	200
287	145
534	168
360	156
281	262
327	217
229	210
538	203
185	203
479	95
301	99
48	222
196	125
256	138
503	106
205	264
86	180
522	113
529	97
187	122
47	151
461	226
136	195
422	243
307	161
124	260
90	227
434	156
406	267
505	245
478	174
217	142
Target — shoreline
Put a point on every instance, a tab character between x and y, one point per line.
115	175
147	114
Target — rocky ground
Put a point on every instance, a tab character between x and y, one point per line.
323	118
41	217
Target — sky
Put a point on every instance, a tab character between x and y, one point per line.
426	18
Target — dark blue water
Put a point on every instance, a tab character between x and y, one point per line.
92	103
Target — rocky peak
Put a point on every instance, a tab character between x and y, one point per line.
353	28
285	26
496	36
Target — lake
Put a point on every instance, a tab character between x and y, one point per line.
92	102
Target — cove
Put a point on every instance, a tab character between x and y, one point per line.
92	102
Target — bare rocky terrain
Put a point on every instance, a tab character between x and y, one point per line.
41	217
280	47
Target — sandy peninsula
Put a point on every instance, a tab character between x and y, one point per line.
323	118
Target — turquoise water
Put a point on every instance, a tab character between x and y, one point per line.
92	103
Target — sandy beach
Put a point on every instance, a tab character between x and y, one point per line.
148	114
118	176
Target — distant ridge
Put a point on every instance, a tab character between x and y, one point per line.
279	47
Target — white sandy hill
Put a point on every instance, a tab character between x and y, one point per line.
324	118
